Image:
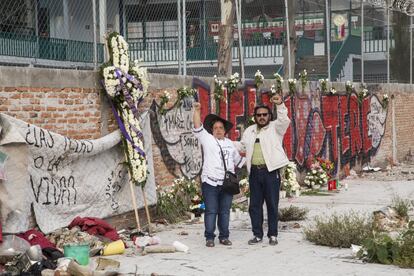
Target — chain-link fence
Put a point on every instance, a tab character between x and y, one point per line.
182	36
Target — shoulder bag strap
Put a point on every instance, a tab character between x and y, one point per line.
222	156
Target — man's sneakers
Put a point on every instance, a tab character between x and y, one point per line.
255	240
226	242
272	240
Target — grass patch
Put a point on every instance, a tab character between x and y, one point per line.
292	213
315	193
339	230
381	248
401	205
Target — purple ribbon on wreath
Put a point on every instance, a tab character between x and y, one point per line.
135	112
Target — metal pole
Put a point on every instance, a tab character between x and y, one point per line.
328	38
184	40
388	46
288	37
179	36
362	43
411	50
95	44
239	26
204	30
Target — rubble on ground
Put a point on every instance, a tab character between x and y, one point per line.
400	172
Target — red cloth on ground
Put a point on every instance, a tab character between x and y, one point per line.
95	226
36	237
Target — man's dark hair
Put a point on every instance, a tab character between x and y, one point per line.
265	107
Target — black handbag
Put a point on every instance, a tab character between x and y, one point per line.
230	182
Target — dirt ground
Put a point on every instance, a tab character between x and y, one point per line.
292	256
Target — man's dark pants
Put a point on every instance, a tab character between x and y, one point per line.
264	186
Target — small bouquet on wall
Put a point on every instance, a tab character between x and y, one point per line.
258	79
289	180
292	86
303	76
324	85
349	87
218	89
316	176
385	101
165	98
126	85
279	83
185	92
232	83
362	94
332	91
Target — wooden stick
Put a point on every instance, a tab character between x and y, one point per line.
146	210
134	203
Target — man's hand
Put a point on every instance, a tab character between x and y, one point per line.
196	106
276	99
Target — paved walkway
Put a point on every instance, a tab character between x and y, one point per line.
292	256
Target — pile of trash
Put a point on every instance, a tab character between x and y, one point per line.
79	249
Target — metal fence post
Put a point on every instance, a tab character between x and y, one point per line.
95	44
362	43
328	38
239	26
184	40
179	36
288	37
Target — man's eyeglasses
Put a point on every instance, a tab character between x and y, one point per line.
261	114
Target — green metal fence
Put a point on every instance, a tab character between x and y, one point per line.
29	46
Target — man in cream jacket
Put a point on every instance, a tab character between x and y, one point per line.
263	146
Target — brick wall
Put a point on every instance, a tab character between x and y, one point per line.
73	112
71	103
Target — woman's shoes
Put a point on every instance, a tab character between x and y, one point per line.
209	243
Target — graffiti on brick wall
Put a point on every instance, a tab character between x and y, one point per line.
338	127
172	132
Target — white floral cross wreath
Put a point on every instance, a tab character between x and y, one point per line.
127	86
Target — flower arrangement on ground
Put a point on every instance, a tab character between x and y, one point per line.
258	78
126	86
316	176
324	85
385	101
289	181
182	196
232	83
279	83
326	165
292	86
349	87
303	76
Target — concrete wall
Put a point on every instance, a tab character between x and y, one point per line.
337	127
